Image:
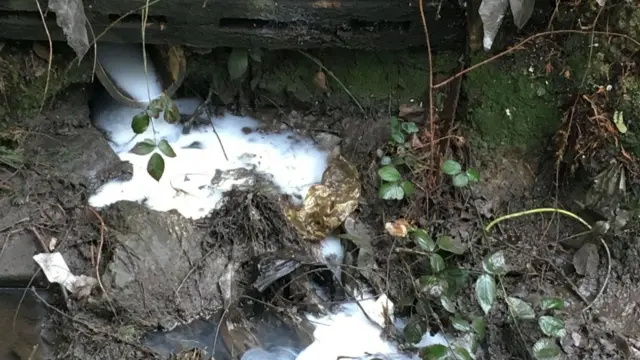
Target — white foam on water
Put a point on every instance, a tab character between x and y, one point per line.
291	162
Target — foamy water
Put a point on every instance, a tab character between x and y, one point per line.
194	181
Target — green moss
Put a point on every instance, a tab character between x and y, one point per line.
511	106
285	77
23	79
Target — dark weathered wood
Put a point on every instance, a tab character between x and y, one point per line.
358	24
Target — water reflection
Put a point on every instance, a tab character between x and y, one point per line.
21	340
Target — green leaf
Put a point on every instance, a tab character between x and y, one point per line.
409	127
461	324
461	353
389	173
547	349
473	175
495	263
143	148
520	309
479	326
414	330
447	304
172	114
432	285
550	303
155	166
552	326
154	112
385	160
238	63
256	54
486	292
437	263
423	240
166	149
398	137
394	123
435	352
407	187
447	243
140	123
460	180
391	191
451	167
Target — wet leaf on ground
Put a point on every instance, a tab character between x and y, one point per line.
495	263
451	167
424	240
547	349
433	285
552	326
479	326
548	303
447	243
520	308
486	292
389	173
460	180
391	191
586	259
435	352
461	324
437	263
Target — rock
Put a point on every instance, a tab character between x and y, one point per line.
16	266
151	274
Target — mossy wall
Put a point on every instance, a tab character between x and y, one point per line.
23	78
375	79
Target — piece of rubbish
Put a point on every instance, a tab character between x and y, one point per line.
398	228
57	271
327	205
492	14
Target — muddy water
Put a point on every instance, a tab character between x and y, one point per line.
21	340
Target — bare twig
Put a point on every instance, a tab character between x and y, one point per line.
99	256
46	29
334	77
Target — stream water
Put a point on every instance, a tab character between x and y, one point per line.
21	316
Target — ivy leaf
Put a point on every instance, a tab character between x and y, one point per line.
140	123
461	353
154	112
437	263
432	285
166	149
414	330
155	166
391	191
479	326
552	326
495	263
389	173
486	292
548	303
407	187
435	352
460	180
451	167
473	175
256	54
238	63
409	127
520	309
143	148
397	136
424	241
447	304
547	349
447	243
172	114
461	324
385	160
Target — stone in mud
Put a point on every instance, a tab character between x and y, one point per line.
151	274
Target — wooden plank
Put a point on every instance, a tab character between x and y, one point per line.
448	34
193	12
